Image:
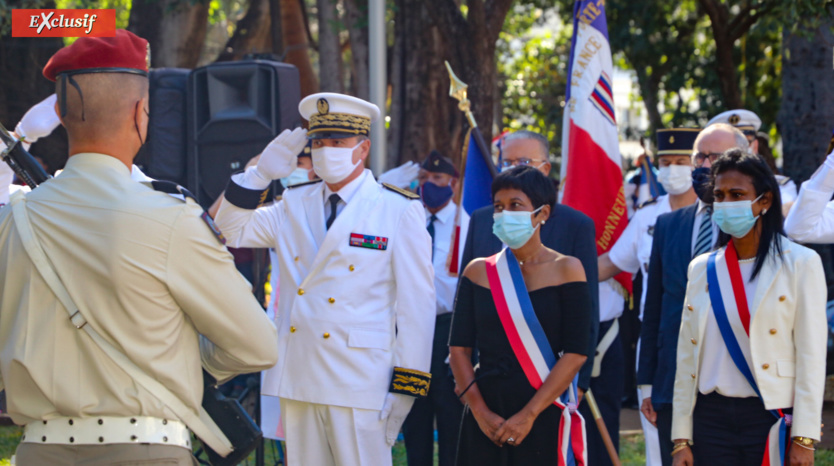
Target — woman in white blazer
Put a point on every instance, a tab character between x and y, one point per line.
752	344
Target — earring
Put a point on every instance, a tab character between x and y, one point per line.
764	211
542	222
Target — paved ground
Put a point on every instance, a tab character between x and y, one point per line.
630	424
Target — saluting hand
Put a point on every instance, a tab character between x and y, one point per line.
279	158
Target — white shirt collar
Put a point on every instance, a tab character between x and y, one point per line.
445	214
702	206
347	192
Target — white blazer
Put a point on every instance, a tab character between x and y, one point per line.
788	339
346	315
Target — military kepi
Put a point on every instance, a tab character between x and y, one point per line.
746	121
337	116
436	163
676	141
123	53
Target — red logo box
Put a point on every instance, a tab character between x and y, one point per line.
63	23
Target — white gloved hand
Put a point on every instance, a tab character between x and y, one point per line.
394	412
401	176
39	121
281	155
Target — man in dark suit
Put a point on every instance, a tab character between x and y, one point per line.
679	236
567	231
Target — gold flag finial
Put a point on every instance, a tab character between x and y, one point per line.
457	90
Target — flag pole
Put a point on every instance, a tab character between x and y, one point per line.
457	90
603	431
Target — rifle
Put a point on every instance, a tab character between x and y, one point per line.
21	161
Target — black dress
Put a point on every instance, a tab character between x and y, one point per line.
564	313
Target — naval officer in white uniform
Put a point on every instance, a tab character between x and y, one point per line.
356	311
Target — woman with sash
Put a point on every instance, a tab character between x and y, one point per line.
527	311
752	348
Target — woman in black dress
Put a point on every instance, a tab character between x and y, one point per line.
508	422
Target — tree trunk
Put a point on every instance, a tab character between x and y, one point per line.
296	45
357	23
175	30
806	117
276	33
253	33
726	68
330	50
649	91
423	117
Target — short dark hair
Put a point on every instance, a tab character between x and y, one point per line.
763	181
528	180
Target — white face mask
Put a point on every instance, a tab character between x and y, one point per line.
334	164
676	179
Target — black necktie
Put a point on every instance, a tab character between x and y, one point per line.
431	231
334	201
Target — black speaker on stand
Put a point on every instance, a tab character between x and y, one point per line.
164	155
234	110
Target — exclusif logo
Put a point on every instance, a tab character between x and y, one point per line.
64	23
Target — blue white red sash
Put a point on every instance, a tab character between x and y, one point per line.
533	351
729	305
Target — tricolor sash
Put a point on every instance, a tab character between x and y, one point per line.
533	351
729	305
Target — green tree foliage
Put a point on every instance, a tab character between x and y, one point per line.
533	48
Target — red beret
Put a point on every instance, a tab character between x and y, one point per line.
124	53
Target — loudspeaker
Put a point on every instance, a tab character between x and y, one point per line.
164	155
235	110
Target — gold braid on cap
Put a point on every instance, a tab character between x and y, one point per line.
340	123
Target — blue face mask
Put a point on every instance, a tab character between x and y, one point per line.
299	175
433	195
700	181
514	228
735	218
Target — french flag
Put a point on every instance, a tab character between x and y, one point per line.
478	172
592	175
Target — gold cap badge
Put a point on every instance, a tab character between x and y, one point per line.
323	107
671	139
734	119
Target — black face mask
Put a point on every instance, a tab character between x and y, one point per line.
700	182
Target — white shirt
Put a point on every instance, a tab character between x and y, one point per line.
445	283
346	193
787	189
696	227
718	372
633	248
611	301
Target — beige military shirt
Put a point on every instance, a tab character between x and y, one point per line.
147	273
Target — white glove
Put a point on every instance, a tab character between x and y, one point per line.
39	121
394	411
401	176
280	156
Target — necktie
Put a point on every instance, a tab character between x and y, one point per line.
704	241
334	201
431	230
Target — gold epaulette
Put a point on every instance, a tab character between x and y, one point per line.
400	191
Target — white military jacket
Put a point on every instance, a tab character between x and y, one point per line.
788	334
347	314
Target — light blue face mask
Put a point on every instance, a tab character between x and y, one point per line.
735	218
299	175
514	228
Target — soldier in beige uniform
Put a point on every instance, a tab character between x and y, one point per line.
142	268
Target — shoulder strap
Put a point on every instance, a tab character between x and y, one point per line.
202	426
